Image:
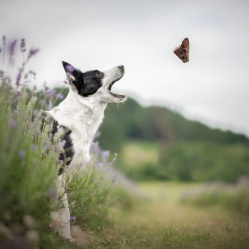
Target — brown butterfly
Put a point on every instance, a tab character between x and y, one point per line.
182	51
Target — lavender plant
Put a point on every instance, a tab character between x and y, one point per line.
28	158
29	161
90	194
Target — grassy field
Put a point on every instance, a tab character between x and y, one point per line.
161	221
137	153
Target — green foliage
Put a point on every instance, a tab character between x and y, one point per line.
189	150
28	164
184	161
22	161
134	122
90	197
125	199
205	161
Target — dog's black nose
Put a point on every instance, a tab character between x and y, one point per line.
121	67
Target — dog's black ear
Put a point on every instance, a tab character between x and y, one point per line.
71	72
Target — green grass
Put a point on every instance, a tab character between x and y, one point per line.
139	160
234	197
169	191
138	153
166	223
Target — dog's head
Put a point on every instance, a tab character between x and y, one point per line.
95	83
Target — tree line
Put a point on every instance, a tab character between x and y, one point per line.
188	149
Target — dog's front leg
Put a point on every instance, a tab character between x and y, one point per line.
61	217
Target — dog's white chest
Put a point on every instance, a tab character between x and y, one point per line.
83	119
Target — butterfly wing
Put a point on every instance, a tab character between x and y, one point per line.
182	51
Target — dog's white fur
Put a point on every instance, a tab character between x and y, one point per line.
82	115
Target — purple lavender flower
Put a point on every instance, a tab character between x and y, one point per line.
17	97
32	52
105	155
50	105
46	88
32	72
60	96
34	88
18	78
43	102
95	147
22	154
12	123
52	91
11	49
23	45
72	219
100	165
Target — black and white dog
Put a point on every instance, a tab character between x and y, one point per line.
80	115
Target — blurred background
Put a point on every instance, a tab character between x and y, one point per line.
141	35
212	88
182	134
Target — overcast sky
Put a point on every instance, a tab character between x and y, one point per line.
141	35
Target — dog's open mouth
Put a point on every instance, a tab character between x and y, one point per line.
120	96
